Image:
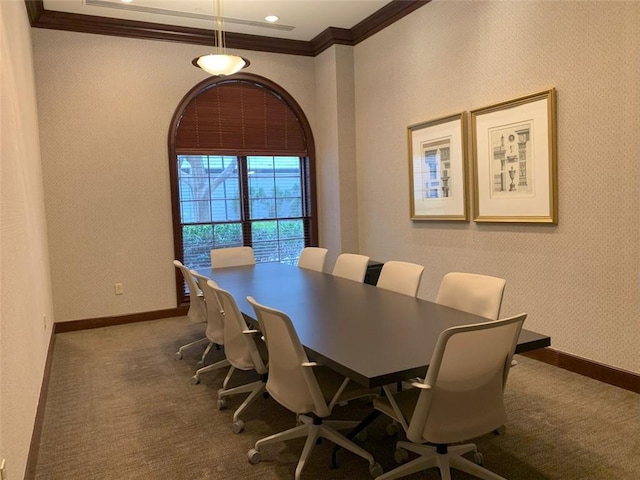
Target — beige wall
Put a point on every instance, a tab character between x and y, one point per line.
335	146
105	107
105	104
458	56
26	312
578	280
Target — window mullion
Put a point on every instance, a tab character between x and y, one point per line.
245	207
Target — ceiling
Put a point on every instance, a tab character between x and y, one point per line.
299	19
305	27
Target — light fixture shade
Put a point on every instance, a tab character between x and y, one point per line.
220	64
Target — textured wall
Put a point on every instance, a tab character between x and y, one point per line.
335	146
327	149
108	206
578	280
26	311
105	107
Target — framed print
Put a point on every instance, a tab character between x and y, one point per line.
514	160
437	169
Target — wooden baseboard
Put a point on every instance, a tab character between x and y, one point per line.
588	368
34	447
89	323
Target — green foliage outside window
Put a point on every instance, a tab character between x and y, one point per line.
211	211
273	240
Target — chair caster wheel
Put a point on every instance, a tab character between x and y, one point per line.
254	456
222	403
375	470
362	436
478	458
178	356
392	429
400	456
195	380
237	426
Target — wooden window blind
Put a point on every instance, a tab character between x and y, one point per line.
240	118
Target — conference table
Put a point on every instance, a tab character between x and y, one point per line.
373	336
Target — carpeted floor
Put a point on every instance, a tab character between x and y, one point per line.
121	407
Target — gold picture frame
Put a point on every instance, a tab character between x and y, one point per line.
514	160
438	169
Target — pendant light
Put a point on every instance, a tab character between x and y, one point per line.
219	62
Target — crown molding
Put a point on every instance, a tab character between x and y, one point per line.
39	17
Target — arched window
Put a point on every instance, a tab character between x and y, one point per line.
241	157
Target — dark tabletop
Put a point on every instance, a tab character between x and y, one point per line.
373	336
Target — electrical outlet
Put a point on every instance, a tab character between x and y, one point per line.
118	289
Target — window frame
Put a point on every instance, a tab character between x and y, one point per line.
307	186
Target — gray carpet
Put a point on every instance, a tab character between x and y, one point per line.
120	407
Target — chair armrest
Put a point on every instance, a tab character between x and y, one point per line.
420	385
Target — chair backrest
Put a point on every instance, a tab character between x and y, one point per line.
232	257
473	293
215	315
197	310
313	258
466	377
401	277
239	348
351	266
289	383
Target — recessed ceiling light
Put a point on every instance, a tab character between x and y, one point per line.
271	18
126	1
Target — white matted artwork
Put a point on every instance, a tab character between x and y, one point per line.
514	160
437	169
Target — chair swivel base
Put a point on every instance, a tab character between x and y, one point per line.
313	432
179	353
430	458
214	366
254	389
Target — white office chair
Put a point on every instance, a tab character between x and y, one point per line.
472	293
461	398
313	258
196	313
232	257
242	352
351	266
303	387
215	326
197	309
401	277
